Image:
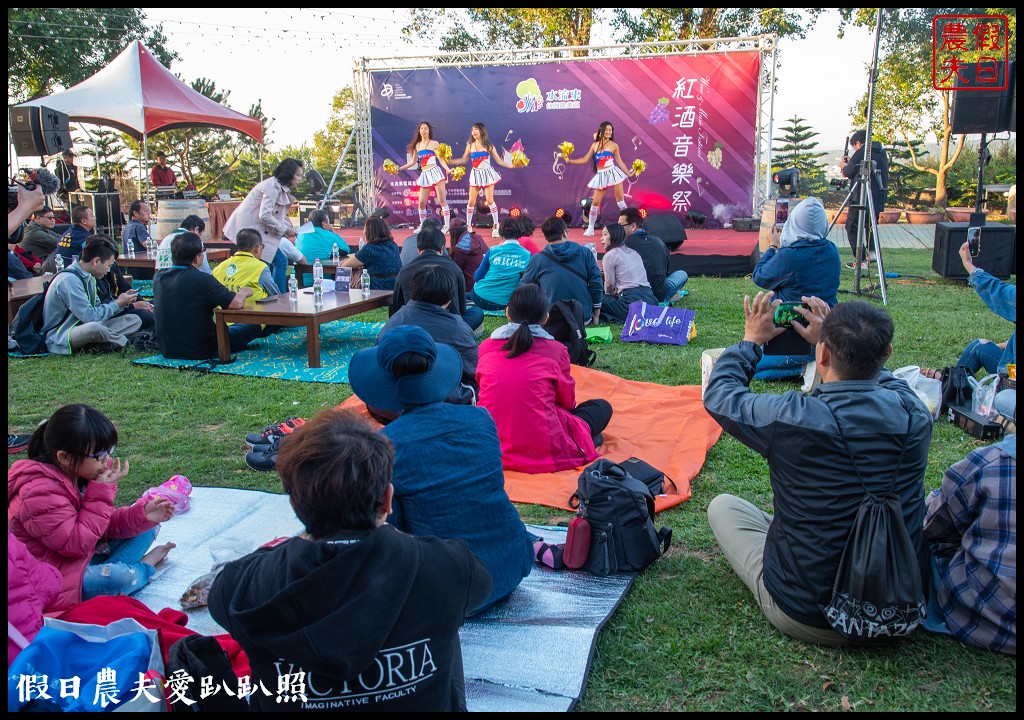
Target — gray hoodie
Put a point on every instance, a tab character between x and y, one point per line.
71	300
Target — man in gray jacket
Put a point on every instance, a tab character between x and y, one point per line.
72	310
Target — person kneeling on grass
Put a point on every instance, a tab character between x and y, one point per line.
367	615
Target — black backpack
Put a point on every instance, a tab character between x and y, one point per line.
620	511
567	326
27	328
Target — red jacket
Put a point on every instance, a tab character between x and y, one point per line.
61	526
32	586
530	398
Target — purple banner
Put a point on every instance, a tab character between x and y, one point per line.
691	119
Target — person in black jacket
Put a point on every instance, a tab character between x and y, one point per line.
352	614
879	189
861	430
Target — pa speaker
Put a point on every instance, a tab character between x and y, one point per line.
105	206
995	258
39	131
668	227
53	126
984	110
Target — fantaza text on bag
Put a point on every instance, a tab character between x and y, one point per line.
877	593
620	511
658	325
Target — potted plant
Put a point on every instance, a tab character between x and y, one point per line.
925	215
830	213
888	217
959	214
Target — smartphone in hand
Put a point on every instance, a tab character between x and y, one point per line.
781	211
974	240
786	315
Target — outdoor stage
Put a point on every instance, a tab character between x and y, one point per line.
723	253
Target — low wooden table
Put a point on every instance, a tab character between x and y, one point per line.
141	261
329	270
282	311
21	291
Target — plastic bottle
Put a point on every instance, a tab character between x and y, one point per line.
59	262
130	249
293	286
362	243
318	291
366	284
149	248
74	259
335	254
318	271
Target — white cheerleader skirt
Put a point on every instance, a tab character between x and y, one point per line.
431	177
607	178
483	176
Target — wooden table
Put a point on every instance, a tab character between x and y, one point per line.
141	261
282	311
21	291
330	269
220	211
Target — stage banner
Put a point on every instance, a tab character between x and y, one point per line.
691	119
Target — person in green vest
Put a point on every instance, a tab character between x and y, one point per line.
245	269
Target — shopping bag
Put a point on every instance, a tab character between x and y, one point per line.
657	325
107	661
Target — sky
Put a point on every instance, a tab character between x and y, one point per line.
294	60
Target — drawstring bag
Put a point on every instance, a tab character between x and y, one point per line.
956	387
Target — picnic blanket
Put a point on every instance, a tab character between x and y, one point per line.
663	425
284	355
529	653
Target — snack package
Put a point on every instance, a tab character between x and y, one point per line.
198	592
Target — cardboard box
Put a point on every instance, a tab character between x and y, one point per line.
708	358
974	424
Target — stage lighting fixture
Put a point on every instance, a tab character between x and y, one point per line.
586	203
381	212
643	213
515	212
790	177
316	182
565	214
695	217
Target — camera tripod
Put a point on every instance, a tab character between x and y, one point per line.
865	206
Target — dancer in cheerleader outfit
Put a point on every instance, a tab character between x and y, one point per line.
433	171
611	171
479	151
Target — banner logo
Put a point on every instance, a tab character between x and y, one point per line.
961	41
387	90
530	97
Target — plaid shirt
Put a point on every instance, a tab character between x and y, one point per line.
972	525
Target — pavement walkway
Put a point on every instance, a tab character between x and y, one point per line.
894	235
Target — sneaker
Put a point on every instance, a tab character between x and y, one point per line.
853	266
494	232
104	348
272	432
143	340
588	233
264	458
444	230
17	443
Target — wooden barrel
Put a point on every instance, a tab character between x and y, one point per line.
170	214
764	237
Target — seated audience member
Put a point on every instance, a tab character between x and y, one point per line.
1001	298
114	283
32	588
351	592
654	252
408	373
61	505
16	269
467	249
526	228
972	527
526	385
245	269
83	223
428	309
136	233
625	280
800	261
191	223
39	238
29	261
566	271
410	250
320	242
74	312
184	313
861	430
431	246
380	256
500	270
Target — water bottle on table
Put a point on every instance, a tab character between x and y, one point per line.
318	270
318	283
366	284
129	250
335	254
293	286
59	262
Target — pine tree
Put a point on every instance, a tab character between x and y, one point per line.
796	149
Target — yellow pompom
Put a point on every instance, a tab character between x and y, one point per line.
390	167
444	152
458	173
519	159
566	148
638	167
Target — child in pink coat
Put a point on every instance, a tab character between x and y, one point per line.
60	504
32	586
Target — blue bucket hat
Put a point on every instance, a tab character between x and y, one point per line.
371	378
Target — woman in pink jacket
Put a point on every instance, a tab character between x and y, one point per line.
32	586
60	503
525	383
265	209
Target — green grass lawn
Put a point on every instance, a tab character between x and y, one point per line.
689	635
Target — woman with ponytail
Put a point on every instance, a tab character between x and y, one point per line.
526	385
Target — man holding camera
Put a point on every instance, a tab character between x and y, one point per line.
879	189
860	430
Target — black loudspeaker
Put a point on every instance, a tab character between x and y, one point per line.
26	140
668	227
105	206
996	256
985	110
39	131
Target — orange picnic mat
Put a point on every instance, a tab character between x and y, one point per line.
664	426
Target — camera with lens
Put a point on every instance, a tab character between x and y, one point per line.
40	177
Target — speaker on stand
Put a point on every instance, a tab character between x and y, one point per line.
668	227
107	209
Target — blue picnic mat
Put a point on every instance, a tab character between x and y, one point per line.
285	355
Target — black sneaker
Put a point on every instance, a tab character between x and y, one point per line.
271	433
17	443
104	348
143	340
263	458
